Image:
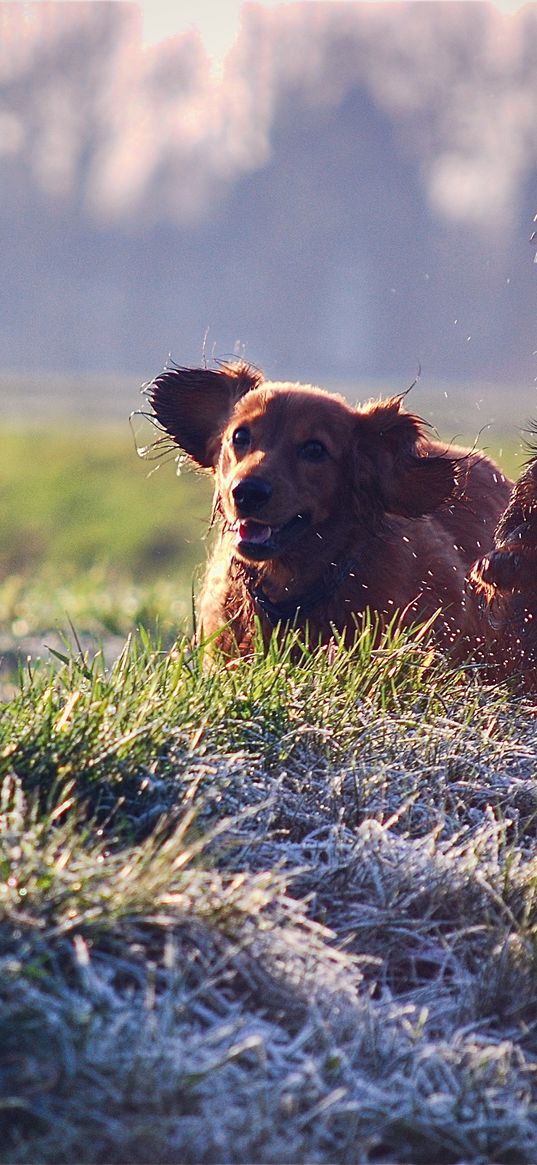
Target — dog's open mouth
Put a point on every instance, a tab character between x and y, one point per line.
254	539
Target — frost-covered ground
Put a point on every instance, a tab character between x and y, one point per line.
270	913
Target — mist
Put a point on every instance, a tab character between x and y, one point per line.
348	192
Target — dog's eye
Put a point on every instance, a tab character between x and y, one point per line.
313	451
241	437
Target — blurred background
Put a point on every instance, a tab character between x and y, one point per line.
340	192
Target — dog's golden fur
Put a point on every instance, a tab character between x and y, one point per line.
327	510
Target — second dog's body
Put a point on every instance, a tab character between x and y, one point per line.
504	583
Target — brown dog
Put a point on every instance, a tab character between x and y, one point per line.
505	584
327	510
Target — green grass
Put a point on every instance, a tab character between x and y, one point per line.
275	912
281	911
76	497
94	536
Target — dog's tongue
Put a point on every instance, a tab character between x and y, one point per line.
254	532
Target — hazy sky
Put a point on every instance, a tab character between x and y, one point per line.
352	181
218	20
110	131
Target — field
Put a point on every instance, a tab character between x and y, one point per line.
282	912
94	536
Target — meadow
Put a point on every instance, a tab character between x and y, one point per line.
92	536
280	912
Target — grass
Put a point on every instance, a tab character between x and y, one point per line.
80	496
93	536
284	911
277	912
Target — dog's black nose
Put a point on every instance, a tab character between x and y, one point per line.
250	494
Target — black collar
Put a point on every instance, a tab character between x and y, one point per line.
289	611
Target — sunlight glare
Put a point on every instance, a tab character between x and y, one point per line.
217	24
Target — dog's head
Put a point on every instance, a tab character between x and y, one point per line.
297	467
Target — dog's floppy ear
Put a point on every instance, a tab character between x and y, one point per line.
193	405
411	482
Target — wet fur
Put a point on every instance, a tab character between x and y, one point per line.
386	519
504	582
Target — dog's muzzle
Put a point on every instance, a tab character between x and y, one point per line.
250	494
